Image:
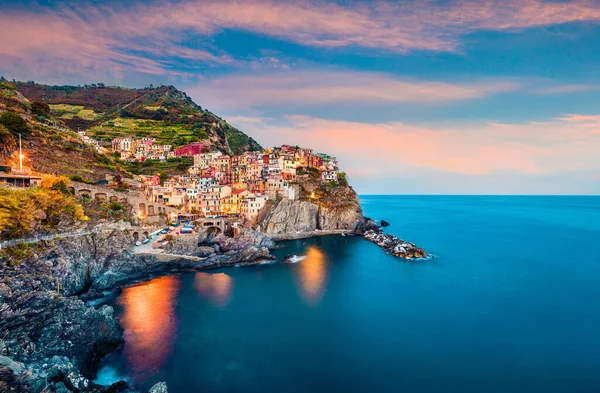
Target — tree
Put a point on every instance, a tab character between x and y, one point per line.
40	108
8	143
14	123
57	183
5	85
342	179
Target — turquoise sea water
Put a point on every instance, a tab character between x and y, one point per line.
510	303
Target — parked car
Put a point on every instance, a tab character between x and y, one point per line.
146	241
164	231
138	243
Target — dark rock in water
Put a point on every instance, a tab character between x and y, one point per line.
118	387
394	246
364	225
384	223
288	258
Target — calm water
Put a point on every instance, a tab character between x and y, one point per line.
511	303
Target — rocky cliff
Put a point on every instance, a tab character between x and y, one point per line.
337	211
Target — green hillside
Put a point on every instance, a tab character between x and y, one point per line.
164	113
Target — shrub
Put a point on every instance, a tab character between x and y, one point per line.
23	211
183	166
6	85
77	178
17	253
7	141
40	108
55	183
115	206
342	179
14	123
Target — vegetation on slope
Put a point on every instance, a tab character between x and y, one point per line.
164	113
23	211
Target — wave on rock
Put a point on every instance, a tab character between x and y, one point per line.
294	258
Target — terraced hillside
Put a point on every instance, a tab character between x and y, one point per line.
47	149
164	113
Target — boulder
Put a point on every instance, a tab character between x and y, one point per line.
364	225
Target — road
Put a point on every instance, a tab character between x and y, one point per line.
148	247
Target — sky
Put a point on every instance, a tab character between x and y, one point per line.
413	97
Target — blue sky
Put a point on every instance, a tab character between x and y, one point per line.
413	96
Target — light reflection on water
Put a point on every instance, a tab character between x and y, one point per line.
311	275
150	323
216	288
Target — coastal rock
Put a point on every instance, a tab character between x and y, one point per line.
339	218
365	224
248	255
205	251
246	237
289	219
183	245
394	246
384	223
288	216
160	387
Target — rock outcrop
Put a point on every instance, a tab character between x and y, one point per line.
394	246
47	337
288	219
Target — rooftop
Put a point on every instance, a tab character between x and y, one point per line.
13	176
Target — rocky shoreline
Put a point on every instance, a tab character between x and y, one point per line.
46	343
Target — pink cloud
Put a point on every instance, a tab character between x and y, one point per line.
317	87
402	26
100	39
395	149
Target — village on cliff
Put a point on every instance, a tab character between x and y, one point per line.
219	185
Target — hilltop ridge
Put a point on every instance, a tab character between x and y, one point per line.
163	112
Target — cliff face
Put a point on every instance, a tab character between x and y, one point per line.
287	219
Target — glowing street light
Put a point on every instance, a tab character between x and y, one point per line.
21	156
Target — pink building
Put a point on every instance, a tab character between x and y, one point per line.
192	149
153	181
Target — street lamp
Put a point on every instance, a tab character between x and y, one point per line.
21	156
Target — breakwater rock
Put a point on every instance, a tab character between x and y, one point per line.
394	246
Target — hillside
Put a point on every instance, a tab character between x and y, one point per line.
104	113
46	149
164	113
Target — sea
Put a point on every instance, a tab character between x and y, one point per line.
509	302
